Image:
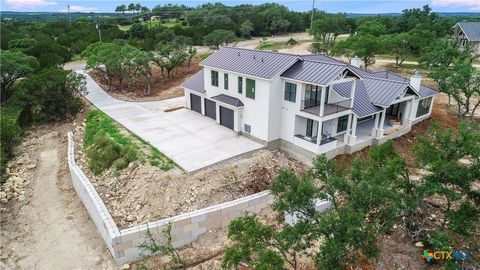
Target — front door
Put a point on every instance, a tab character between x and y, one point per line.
309	131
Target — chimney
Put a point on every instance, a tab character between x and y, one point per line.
355	61
415	80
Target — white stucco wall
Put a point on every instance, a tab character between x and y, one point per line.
255	111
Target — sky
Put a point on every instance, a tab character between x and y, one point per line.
350	6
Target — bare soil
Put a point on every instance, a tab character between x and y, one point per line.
143	193
161	86
50	228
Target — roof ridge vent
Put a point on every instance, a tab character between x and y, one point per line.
262	59
238	54
254	56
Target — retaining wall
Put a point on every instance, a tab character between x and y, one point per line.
123	244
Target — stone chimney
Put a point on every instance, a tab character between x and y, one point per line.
355	61
415	80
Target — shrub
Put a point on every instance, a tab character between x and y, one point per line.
463	220
102	153
11	134
292	41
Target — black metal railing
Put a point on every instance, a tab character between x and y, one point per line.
310	103
308	139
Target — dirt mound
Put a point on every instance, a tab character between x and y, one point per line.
161	86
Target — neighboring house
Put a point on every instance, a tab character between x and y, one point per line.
306	105
468	33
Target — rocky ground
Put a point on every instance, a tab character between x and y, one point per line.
44	224
143	193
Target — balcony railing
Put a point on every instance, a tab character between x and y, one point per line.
330	108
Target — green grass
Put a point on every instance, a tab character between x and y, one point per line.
107	146
276	45
154	23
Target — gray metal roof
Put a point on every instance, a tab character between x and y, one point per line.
321	58
383	92
362	106
228	100
343	89
471	30
195	83
389	76
256	63
426	91
320	73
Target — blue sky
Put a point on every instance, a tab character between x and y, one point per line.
351	6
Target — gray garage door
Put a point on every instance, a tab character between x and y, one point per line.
210	109
226	117
196	103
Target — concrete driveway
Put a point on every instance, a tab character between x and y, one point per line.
191	140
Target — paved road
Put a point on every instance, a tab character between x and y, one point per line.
192	140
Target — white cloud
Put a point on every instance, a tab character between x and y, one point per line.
471	4
80	9
19	4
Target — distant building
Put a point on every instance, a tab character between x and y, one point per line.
468	33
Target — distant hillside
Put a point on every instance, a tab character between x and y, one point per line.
46	16
445	14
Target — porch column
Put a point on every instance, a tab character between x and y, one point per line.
375	125
346	136
382	123
353	136
319	133
406	117
322	100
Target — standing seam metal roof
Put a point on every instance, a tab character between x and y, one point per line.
383	92
343	89
471	30
256	63
362	106
228	100
320	73
195	83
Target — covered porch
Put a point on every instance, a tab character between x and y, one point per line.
388	122
308	134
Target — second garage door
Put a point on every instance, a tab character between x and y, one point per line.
196	103
210	109
226	117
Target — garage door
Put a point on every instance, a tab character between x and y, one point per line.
196	103
210	109
226	117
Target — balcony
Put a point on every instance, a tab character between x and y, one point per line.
330	108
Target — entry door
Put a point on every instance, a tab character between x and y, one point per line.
226	117
196	103
210	109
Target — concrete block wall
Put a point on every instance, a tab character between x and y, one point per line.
91	200
187	227
123	244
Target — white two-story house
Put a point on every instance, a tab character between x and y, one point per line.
306	105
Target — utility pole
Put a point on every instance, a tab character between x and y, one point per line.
313	11
69	17
97	25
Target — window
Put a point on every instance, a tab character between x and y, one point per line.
225	81
214	76
290	92
342	123
250	89
424	106
312	96
240	85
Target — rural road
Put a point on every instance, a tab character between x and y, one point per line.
53	229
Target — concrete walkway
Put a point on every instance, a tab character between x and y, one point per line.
190	139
